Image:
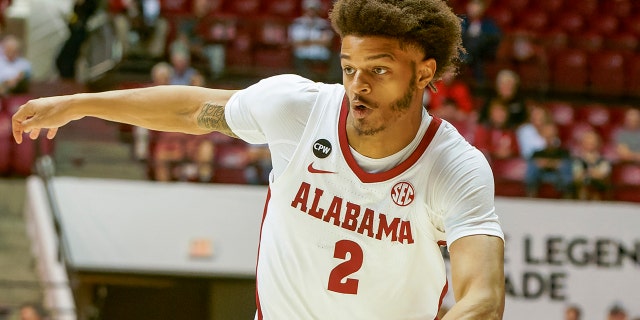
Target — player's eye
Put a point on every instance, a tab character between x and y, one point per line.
348	70
379	70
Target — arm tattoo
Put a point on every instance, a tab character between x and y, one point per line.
212	117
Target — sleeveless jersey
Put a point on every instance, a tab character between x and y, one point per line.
340	243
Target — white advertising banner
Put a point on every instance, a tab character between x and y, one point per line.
570	252
558	252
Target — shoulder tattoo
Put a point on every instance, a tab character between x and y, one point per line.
212	117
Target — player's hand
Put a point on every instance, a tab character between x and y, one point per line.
35	115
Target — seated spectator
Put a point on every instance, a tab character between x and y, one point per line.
77	24
508	91
451	88
617	312
551	165
189	34
32	311
627	139
259	164
572	312
480	37
15	70
311	37
528	134
591	171
494	137
140	28
183	73
198	164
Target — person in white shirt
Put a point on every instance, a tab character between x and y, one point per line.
366	186
15	70
311	38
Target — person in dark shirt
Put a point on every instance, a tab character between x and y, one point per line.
551	165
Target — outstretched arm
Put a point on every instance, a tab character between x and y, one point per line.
187	109
477	276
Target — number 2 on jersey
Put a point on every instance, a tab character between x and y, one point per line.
338	279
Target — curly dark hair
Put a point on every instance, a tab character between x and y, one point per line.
429	24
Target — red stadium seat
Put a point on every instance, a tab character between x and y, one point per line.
509	176
6	142
552	7
515	6
589	41
535	21
607	73
632	23
175	7
597	115
586	8
624	42
502	15
230	163
554	40
569	71
619	8
570	21
605	24
289	9
633	76
563	113
242	7
625	178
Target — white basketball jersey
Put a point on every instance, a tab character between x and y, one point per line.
340	243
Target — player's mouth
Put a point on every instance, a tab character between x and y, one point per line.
360	109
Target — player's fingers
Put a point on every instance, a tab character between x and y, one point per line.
17	124
34	133
52	133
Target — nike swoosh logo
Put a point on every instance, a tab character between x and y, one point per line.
314	170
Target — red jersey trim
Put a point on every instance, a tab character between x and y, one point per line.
264	215
367	177
442	295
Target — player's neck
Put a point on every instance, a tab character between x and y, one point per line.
386	142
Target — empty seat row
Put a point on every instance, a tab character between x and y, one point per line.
573	70
243	8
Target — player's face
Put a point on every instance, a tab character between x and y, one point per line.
383	82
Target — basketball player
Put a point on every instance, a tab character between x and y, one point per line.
366	185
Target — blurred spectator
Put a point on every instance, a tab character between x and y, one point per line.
591	171
617	312
494	137
480	37
451	88
198	80
198	163
528	134
77	24
450	110
311	37
627	138
183	73
508	92
189	38
527	52
259	164
140	28
15	71
551	165
32	311
572	312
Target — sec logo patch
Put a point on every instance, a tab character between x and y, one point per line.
402	194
